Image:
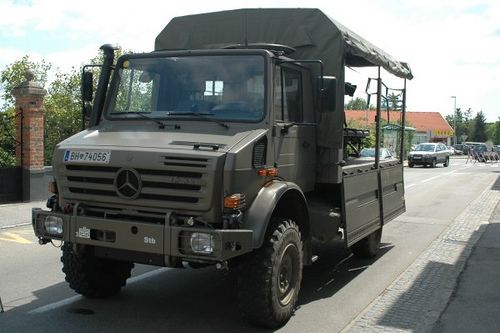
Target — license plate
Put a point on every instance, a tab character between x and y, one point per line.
417	157
87	156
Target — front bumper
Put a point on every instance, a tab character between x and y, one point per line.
138	237
420	159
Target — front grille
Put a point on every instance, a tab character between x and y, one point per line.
174	182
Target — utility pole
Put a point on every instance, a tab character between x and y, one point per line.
454	120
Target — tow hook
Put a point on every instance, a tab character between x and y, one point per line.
222	265
43	241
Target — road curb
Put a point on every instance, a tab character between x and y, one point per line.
13	226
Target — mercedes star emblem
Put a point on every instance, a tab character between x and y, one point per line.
128	183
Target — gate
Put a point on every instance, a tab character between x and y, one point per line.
10	173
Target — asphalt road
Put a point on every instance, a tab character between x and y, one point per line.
335	290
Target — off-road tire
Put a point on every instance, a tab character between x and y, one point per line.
93	277
269	278
369	246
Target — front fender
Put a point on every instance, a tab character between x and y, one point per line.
265	204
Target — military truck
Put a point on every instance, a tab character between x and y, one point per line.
226	146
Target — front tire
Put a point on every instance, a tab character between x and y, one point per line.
269	278
446	162
93	277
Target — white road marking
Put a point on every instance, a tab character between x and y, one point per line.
429	179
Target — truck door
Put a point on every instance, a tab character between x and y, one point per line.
295	138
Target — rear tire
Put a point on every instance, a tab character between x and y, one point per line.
269	278
369	246
93	277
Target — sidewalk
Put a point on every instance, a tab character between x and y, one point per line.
475	306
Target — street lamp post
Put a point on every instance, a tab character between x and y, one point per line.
454	120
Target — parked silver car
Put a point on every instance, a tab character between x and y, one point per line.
429	154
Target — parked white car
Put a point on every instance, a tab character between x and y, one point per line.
429	154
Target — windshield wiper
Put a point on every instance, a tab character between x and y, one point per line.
161	124
201	115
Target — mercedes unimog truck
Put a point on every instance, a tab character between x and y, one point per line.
226	146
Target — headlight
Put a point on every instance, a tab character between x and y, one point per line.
202	243
53	225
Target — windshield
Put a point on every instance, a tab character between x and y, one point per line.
229	88
425	148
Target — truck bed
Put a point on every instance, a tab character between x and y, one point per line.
372	197
363	164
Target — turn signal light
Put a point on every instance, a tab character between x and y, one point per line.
53	187
271	172
235	201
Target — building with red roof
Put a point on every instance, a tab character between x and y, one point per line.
429	126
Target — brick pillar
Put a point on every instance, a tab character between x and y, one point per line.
29	132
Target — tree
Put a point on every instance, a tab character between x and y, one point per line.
393	102
63	112
12	76
62	106
8	141
462	122
495	133
357	103
478	128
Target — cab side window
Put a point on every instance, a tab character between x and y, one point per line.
288	95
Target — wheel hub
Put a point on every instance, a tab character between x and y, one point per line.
287	280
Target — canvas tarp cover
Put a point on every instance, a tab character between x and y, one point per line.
314	35
310	31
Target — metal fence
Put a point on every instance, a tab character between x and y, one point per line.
10	172
485	156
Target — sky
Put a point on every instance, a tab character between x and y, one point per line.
452	46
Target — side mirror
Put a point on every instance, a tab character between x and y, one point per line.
87	86
349	89
328	93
